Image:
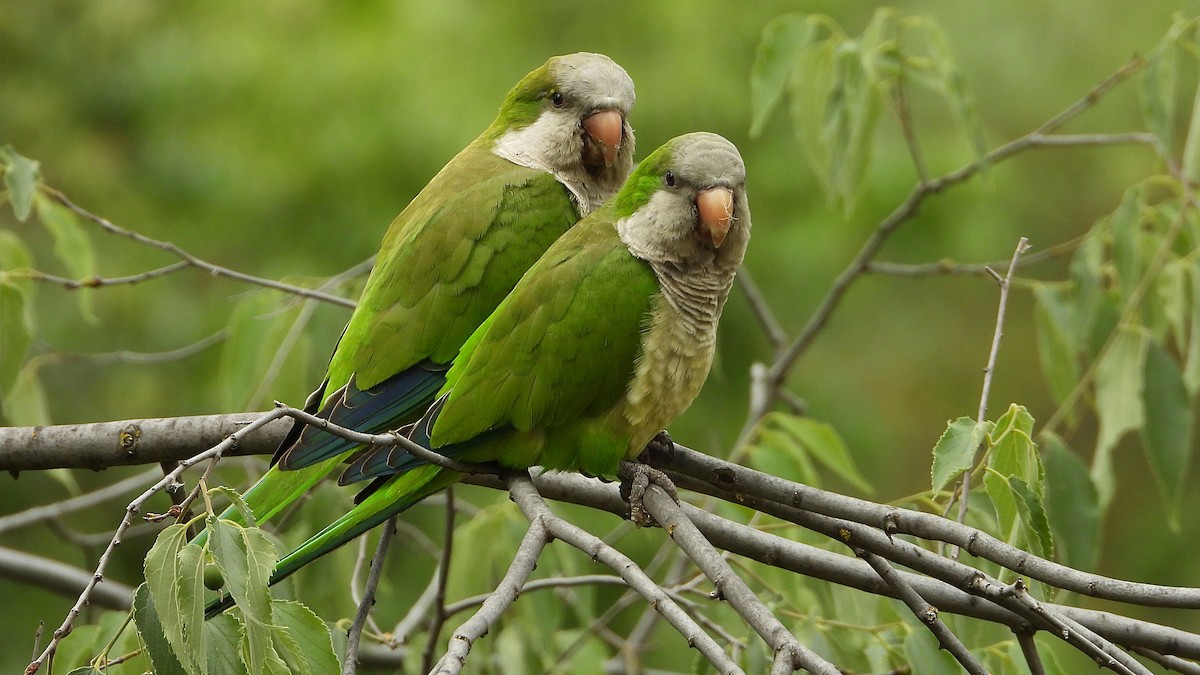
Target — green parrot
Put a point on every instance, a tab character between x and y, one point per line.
601	344
560	146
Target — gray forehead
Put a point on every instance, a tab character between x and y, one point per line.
708	159
594	76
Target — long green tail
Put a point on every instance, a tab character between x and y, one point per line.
397	495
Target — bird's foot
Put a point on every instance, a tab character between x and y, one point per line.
661	445
635	479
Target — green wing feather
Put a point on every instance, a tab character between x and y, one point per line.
552	364
446	262
542	380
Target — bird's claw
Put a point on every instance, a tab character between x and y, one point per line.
661	445
635	479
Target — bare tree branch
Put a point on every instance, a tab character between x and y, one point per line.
925	612
818	563
1005	284
39	514
191	260
61	578
350	666
131	511
730	587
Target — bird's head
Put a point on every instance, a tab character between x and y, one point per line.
686	204
571	117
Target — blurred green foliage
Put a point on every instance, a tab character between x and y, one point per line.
280	138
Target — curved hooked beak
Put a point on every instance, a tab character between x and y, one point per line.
715	208
605	132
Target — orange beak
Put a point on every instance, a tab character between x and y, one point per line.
715	207
605	131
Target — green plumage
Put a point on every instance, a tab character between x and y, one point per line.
450	257
542	381
446	263
602	343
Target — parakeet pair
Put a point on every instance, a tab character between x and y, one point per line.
576	363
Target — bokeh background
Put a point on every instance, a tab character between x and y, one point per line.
280	138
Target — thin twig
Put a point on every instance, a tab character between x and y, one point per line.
537	585
762	310
729	586
1166	661
97	282
925	188
737	484
988	370
534	507
1100	650
1030	651
389	438
952	268
39	514
131	512
61	578
523	564
143	358
438	617
354	634
419	609
846	571
191	260
925	612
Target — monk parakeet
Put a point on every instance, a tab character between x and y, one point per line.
560	146
602	343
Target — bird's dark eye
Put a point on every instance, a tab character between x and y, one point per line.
558	99
669	178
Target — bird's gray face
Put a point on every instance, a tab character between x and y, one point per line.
587	113
699	216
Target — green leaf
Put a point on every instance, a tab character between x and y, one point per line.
850	120
1156	88
247	558
1125	225
21	177
777	453
953	85
955	450
238	503
812	82
783	39
303	641
1003	502
1013	452
1173	297
1120	378
1191	368
1058	347
1167	434
823	443
25	404
16	332
1072	504
72	247
257	329
190	593
223	637
926	657
150	630
164	581
1033	517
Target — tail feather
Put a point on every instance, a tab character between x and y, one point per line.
400	493
384	406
